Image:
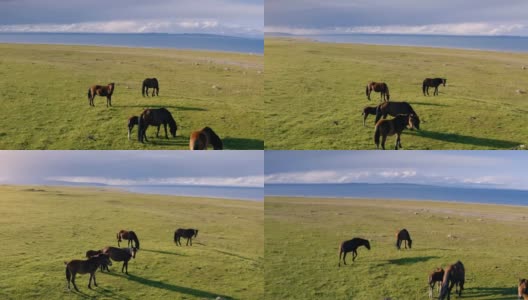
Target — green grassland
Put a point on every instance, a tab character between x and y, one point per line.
315	93
41	227
43	96
303	235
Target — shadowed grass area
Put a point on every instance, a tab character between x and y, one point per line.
315	93
44	87
44	226
303	236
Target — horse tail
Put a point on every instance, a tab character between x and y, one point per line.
68	273
143	88
89	93
424	85
387	90
340	252
367	90
136	241
175	235
377	134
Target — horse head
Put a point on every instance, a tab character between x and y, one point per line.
133	251
195	232
444	81
409	242
103	259
367	244
413	122
521	289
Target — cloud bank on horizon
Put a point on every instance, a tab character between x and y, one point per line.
224	17
448	17
499	169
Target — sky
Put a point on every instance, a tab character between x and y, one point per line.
225	17
450	17
486	169
133	168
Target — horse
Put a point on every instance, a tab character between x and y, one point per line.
200	140
432	82
386	128
121	254
403	235
84	267
393	109
351	246
100	90
156	117
454	276
91	253
435	277
131	122
128	235
186	233
368	110
522	289
379	87
150	83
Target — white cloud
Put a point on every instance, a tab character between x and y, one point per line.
247	181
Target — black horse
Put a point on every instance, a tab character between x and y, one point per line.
156	117
186	233
132	121
150	83
351	246
396	126
454	276
369	110
403	235
394	109
432	82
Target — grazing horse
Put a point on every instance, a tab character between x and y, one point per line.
432	82
379	87
403	235
121	254
386	128
454	276
522	289
131	122
351	246
84	267
186	233
100	90
368	110
394	109
128	235
91	253
150	83
435	277
156	117
200	140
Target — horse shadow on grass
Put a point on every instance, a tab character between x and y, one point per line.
235	255
465	139
171	287
162	252
162	141
175	107
243	144
408	260
429	104
498	293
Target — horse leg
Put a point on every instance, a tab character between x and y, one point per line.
431	288
90	281
73	281
187	242
153	91
354	254
396	148
95	283
344	261
157	133
436	91
383	139
126	267
165	127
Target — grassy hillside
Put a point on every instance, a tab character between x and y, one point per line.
43	94
315	93
44	226
303	235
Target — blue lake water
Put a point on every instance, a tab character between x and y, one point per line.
151	40
491	43
253	194
400	191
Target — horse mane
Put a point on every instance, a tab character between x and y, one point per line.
171	121
135	238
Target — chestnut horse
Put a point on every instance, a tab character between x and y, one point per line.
351	246
386	128
150	83
403	235
128	235
378	87
432	82
200	140
454	276
156	117
84	267
100	90
435	277
368	110
186	233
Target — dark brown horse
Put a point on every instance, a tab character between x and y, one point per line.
150	83
351	246
454	276
156	117
403	235
386	128
200	140
91	253
132	121
186	233
435	277
522	289
128	235
378	87
84	267
394	109
432	82
101	90
368	110
121	254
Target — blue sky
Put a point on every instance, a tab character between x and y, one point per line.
133	168
227	17
492	169
469	17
